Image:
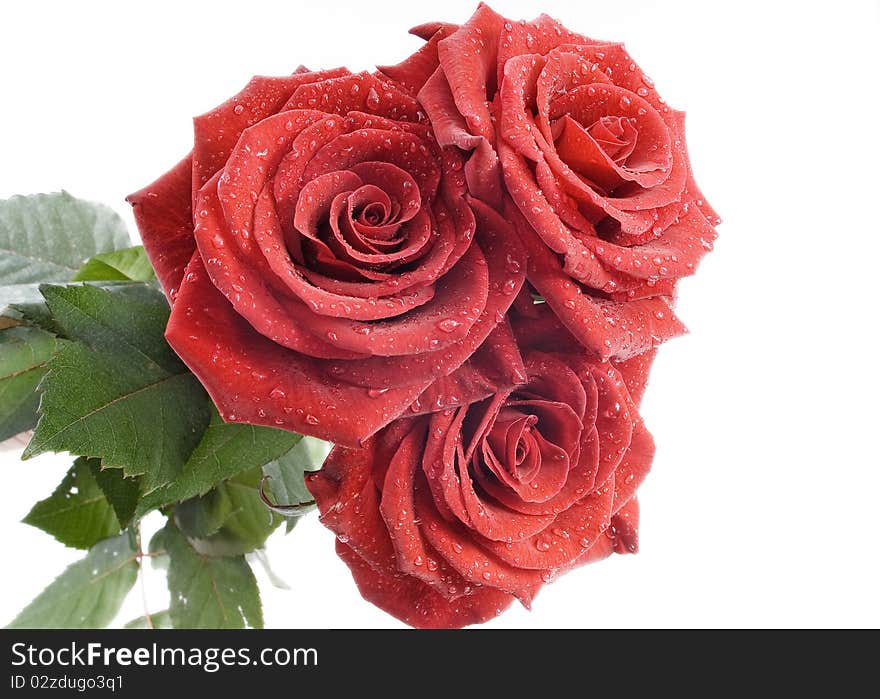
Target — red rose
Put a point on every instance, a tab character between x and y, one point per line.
593	159
444	519
324	262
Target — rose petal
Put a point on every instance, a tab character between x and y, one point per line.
455	543
606	328
413	72
163	213
217	131
494	367
414	603
563	541
252	379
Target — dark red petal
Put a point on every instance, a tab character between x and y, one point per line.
537	327
414	603
252	379
163	213
672	254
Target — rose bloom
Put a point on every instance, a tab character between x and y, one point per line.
570	138
324	262
445	519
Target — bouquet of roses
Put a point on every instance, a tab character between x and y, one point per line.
456	269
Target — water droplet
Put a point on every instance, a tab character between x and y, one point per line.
238	109
312	420
448	325
372	98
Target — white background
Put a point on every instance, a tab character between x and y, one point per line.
761	509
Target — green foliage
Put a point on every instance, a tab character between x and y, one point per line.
122	493
230	519
130	264
24	353
77	513
117	391
89	593
47	237
159	620
210	592
225	449
83	359
285	478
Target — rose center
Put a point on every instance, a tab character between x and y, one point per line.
616	135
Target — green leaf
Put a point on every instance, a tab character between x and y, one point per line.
159	620
77	513
24	353
129	318
130	264
158	551
88	594
229	520
23	304
122	493
118	393
47	237
208	592
285	477
224	450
